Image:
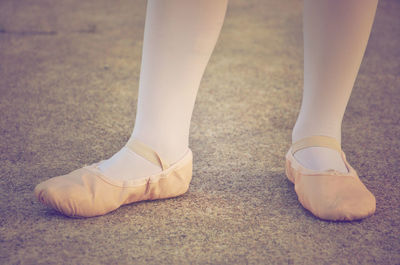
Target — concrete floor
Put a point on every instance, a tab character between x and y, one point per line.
68	88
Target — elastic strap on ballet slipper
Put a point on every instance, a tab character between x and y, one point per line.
316	141
147	153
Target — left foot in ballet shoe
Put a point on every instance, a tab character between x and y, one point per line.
331	191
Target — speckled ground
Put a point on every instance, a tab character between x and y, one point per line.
68	88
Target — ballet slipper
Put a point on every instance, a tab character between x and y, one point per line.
86	192
329	195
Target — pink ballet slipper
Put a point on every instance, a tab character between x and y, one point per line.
86	192
329	195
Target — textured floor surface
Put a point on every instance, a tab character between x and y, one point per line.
68	88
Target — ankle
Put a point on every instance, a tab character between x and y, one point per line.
301	131
171	150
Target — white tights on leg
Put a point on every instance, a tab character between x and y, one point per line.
336	33
179	38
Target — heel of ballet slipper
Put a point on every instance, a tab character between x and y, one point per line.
174	184
171	183
289	171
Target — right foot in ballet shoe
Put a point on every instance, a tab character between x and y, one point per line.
329	194
88	192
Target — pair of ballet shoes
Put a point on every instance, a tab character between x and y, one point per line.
86	192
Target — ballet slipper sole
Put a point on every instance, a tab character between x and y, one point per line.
330	195
85	192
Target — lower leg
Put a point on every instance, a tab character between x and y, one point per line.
178	41
335	37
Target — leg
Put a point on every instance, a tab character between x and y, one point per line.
335	38
178	41
179	38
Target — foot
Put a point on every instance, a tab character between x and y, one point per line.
127	165
328	194
321	159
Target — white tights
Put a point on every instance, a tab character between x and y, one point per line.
179	38
178	41
336	33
